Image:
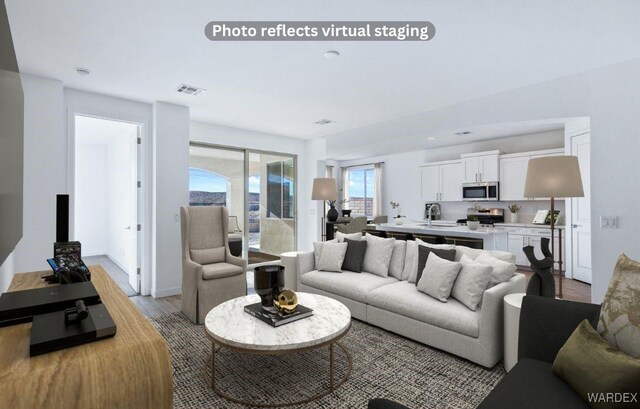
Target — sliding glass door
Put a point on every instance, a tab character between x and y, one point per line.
258	189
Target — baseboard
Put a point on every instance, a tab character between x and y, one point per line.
94	254
168	292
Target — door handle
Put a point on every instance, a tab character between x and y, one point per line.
576	225
128	228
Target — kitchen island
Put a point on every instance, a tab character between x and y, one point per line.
487	238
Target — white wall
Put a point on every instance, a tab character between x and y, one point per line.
401	174
310	158
171	190
45	170
91	198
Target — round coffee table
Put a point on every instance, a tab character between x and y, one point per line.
228	326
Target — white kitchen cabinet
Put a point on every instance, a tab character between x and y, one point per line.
441	182
520	238
516	243
430	178
451	182
513	172
481	167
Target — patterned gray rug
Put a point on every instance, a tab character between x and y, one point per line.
384	365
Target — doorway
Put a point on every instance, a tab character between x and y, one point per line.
106	197
579	225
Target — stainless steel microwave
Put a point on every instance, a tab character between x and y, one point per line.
481	191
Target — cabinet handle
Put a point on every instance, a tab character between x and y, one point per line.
480	178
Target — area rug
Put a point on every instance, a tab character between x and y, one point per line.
384	365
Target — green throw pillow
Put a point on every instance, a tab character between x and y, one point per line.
601	374
619	322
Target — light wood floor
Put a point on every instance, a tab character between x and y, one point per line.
573	290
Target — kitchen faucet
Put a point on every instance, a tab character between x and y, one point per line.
429	213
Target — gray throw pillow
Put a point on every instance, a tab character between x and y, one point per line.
438	277
423	255
332	257
471	282
354	257
396	265
410	261
378	256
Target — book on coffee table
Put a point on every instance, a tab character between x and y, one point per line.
277	319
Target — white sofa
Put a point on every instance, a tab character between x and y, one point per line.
399	307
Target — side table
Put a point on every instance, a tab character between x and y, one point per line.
512	304
289	261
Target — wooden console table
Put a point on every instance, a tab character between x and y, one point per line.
130	370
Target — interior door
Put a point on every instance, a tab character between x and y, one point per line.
132	245
581	212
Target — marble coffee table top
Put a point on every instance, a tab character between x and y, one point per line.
229	325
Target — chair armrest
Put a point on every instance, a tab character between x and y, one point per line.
306	261
547	323
238	261
492	309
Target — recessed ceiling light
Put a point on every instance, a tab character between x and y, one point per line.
463	133
83	71
331	54
325	122
431	138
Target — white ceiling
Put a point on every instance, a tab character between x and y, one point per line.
144	49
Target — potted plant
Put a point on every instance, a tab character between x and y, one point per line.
514	209
473	222
398	219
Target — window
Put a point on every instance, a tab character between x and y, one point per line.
361	191
280	191
207	188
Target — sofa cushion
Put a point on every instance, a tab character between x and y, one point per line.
474	253
423	255
502	270
355	286
353	259
619	321
219	270
208	256
378	255
438	277
471	282
404	298
532	385
410	260
332	257
396	265
351	236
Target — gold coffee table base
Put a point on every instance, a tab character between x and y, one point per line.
333	384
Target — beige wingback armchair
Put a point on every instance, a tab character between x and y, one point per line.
210	274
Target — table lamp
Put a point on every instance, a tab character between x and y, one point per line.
554	177
326	189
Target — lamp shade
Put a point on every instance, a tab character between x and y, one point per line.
553	176
324	189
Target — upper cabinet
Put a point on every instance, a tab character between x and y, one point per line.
442	181
513	172
481	166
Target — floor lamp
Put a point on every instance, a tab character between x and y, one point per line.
324	189
554	177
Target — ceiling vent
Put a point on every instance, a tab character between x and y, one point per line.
325	122
190	90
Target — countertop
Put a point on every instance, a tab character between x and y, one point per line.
442	230
529	225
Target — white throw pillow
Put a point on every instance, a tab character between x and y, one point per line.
502	271
317	249
413	272
396	265
332	257
438	277
474	253
471	282
410	260
351	236
378	255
